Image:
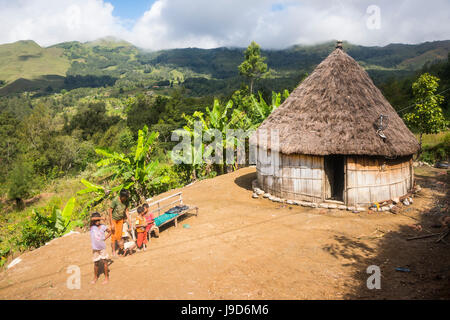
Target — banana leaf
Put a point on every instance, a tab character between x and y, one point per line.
68	209
140	145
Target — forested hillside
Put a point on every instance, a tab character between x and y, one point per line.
24	66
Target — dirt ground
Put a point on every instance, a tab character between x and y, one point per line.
244	248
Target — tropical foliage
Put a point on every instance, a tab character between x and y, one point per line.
260	110
233	124
427	116
134	171
45	226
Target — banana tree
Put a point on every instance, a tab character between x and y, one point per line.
223	118
190	160
260	110
100	193
59	221
134	171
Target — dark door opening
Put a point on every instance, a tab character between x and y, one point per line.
334	172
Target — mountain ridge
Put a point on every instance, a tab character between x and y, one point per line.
119	59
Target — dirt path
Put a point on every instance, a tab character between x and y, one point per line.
241	248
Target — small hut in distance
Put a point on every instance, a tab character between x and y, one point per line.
339	140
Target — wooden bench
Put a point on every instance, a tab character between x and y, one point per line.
159	207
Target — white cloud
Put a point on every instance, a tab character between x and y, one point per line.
207	24
278	24
53	21
199	23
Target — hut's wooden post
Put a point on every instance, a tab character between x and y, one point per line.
344	196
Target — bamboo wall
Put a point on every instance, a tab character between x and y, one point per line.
293	177
371	180
302	177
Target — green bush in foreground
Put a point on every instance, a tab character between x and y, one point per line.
46	226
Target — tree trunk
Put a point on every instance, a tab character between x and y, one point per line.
420	146
194	175
20	204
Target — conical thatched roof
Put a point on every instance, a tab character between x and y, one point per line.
334	111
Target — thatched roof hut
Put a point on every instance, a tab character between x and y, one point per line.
336	111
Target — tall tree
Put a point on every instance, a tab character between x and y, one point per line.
8	140
427	116
253	66
21	182
144	111
92	118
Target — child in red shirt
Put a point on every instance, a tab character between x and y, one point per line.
150	222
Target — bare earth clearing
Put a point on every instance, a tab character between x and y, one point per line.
242	248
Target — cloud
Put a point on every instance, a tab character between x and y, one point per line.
208	24
53	21
278	24
199	23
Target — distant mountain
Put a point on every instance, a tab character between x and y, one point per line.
25	66
109	42
26	59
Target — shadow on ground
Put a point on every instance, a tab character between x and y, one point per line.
428	262
245	181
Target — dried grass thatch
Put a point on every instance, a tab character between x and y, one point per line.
334	111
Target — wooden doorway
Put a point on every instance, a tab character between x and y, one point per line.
334	177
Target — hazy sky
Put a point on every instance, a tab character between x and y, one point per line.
161	24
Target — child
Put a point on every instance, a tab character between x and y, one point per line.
141	224
98	245
127	245
118	213
150	222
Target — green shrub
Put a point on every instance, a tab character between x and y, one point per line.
51	223
437	152
35	234
428	157
4	251
167	179
21	181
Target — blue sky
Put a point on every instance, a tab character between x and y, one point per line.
131	10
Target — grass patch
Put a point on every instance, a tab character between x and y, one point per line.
431	140
436	147
27	60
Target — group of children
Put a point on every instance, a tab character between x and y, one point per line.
144	225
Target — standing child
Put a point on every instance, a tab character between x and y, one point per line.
118	213
141	224
150	222
98	238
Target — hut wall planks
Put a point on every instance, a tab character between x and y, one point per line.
372	179
302	177
293	177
